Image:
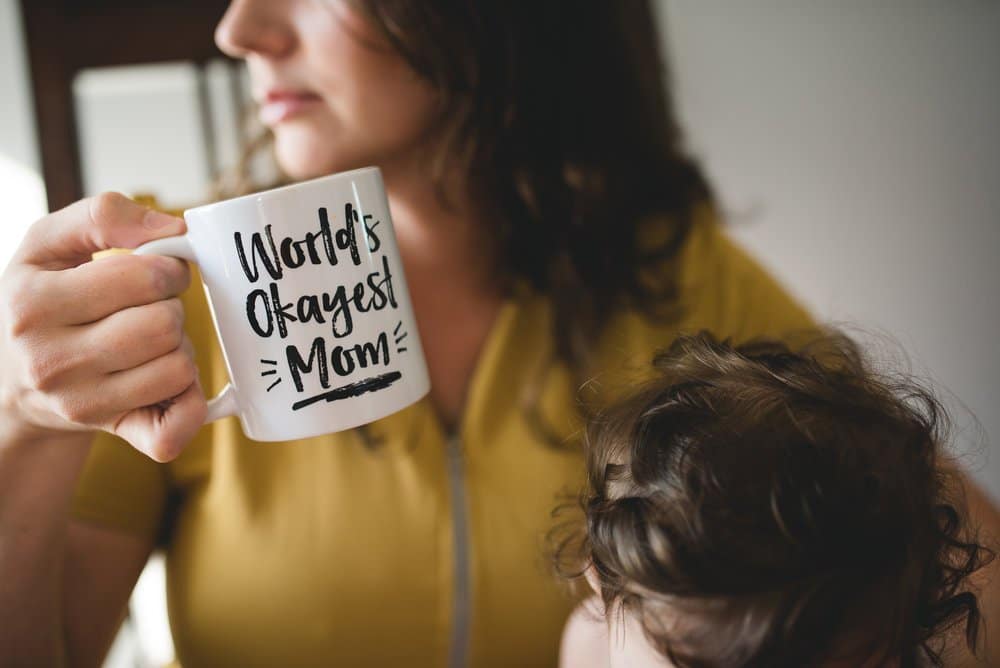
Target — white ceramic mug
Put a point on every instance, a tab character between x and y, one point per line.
309	300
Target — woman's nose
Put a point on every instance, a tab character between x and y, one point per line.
255	27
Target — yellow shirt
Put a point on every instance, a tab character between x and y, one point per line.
327	552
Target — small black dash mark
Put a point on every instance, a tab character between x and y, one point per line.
399	337
270	372
372	384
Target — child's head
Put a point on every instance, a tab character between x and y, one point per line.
759	506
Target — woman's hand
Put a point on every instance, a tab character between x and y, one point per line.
98	344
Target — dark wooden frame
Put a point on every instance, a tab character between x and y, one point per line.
66	36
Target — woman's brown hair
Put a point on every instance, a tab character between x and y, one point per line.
560	113
790	507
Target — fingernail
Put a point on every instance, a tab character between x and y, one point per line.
156	220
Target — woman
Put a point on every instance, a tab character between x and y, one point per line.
551	231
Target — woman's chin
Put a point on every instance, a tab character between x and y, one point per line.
305	158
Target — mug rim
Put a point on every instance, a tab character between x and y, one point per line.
283	189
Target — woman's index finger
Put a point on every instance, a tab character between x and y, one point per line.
70	236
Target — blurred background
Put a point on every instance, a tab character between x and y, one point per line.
855	147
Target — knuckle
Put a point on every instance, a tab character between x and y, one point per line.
165	277
155	280
185	273
106	206
177	272
167	316
182	370
88	353
155	318
170	338
23	312
177	307
72	410
41	373
175	372
22	317
36	228
36	233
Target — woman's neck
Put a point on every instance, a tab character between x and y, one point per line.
449	272
440	233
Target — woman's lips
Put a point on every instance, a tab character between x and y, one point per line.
279	106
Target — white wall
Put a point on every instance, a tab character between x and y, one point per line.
22	193
141	132
857	145
17	126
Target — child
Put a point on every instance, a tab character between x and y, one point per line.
759	506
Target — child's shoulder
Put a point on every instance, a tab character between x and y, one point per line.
585	638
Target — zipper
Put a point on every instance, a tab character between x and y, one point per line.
458	649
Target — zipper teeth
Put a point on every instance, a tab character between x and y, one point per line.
459	646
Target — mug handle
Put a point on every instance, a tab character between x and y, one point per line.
224	403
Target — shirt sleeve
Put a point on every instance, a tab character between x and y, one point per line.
121	488
757	304
728	292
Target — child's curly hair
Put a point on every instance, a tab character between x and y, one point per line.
787	506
